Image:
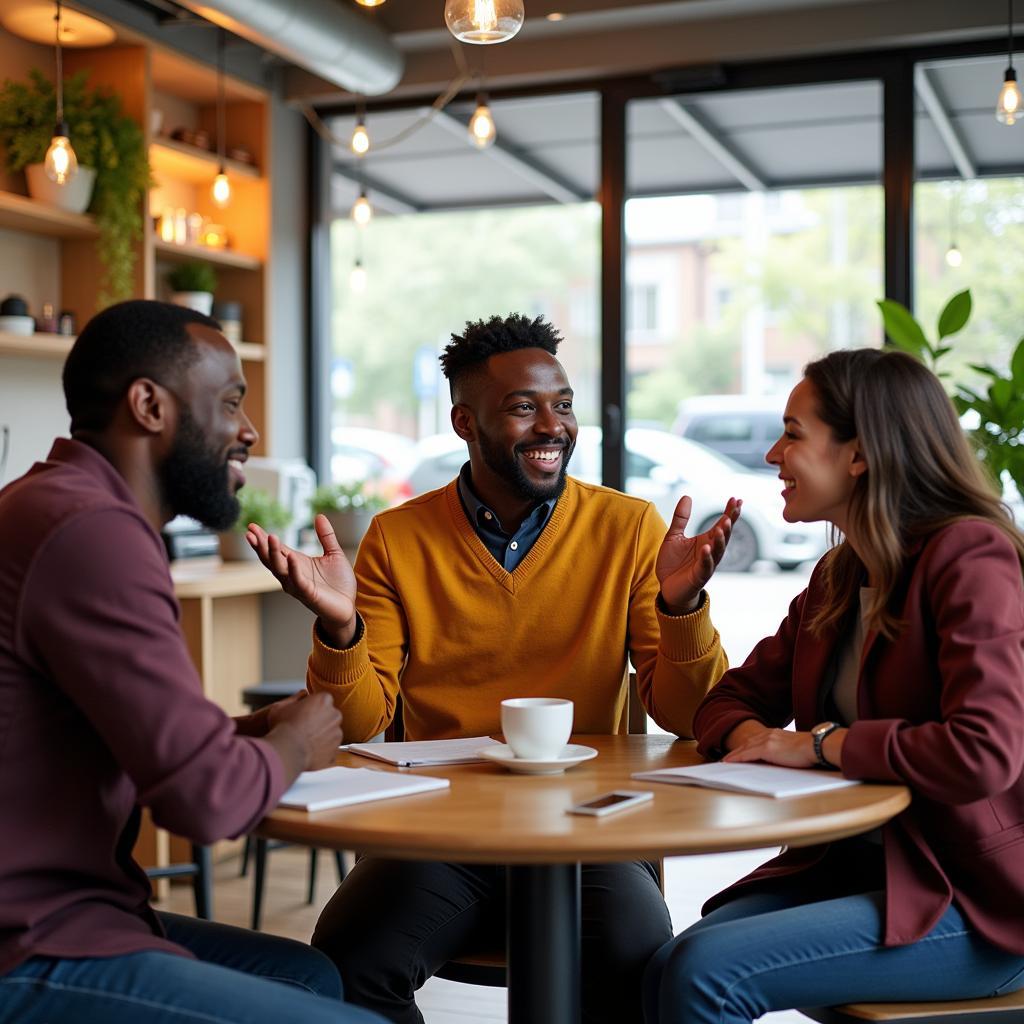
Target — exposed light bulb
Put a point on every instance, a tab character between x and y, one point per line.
357	278
1008	109
360	139
60	162
369	3
362	211
954	257
482	131
484	21
221	189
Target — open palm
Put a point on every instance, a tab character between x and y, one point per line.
685	564
325	583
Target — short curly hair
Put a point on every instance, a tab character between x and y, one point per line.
482	339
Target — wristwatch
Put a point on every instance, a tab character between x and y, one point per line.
818	734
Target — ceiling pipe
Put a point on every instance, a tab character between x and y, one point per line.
327	39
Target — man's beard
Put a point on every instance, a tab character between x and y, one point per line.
505	465
195	479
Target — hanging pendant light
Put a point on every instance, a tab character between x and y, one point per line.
357	279
360	142
482	130
954	257
362	211
484	21
1008	108
221	186
60	162
369	3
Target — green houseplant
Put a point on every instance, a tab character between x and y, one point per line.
349	507
193	284
105	139
994	414
257	506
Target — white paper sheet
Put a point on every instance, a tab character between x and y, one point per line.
337	787
426	752
743	777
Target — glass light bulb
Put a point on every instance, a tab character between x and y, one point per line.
221	190
360	140
362	211
954	257
357	278
482	131
369	3
484	21
1008	109
60	162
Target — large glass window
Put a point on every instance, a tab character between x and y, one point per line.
426	266
969	212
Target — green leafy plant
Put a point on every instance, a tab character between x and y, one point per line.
105	139
259	507
193	276
998	409
350	497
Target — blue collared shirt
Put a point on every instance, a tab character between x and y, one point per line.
508	551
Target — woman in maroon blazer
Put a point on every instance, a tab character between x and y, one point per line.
901	662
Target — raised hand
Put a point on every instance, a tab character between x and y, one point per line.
685	564
325	583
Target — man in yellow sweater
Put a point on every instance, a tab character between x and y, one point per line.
513	580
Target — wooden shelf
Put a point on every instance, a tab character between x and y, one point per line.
188	163
20	213
56	346
173	253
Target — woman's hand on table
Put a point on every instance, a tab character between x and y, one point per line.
751	741
325	583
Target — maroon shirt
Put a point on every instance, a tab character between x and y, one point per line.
100	709
941	710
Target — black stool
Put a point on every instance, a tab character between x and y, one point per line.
254	698
201	870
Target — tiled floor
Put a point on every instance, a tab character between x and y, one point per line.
688	882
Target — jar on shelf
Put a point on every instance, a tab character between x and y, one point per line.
229	316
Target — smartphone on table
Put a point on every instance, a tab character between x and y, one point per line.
611	803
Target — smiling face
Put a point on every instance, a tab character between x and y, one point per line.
819	473
517	417
202	471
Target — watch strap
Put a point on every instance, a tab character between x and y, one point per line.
819	734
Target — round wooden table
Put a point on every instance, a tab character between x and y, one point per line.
492	816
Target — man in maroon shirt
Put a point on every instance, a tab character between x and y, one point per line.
101	709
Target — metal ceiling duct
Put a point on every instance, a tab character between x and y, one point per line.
322	36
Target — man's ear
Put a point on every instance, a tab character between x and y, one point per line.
464	422
151	406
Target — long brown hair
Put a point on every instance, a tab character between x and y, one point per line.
921	475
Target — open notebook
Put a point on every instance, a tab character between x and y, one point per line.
426	752
742	777
336	787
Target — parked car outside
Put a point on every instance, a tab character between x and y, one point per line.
363	453
742	427
661	468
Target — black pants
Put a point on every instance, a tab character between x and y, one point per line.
392	924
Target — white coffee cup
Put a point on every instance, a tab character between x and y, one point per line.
536	728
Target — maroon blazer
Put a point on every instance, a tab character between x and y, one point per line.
941	710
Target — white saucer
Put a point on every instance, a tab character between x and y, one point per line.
572	755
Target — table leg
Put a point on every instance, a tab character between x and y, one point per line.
544	944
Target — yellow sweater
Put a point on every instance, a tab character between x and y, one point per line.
458	633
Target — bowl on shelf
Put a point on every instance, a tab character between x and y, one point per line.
74	197
17	325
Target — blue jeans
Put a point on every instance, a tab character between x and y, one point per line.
239	976
788	948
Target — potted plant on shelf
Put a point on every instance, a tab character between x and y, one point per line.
111	150
349	507
193	284
256	507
